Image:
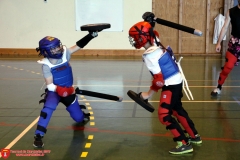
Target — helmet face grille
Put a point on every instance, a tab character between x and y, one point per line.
132	41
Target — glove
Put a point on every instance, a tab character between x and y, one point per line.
157	82
85	40
64	91
149	17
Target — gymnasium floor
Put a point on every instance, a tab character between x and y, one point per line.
117	130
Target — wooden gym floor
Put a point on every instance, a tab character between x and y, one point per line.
117	130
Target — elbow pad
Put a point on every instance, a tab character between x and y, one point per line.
84	41
51	87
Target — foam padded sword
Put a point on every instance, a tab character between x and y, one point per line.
150	17
98	95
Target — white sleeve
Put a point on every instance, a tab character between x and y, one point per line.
219	22
215	34
222	23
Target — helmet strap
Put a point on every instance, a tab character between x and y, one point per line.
154	36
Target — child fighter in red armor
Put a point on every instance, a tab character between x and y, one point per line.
166	76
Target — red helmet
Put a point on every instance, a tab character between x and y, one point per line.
140	34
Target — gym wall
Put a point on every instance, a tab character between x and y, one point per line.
196	14
24	23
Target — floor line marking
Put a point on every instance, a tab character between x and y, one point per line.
92	123
88	145
235	98
21	135
84	154
158	101
142	86
90	137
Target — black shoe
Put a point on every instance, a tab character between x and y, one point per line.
182	148
38	141
216	92
86	116
196	140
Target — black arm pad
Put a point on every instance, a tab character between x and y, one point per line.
175	25
84	41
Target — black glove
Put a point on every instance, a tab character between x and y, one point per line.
85	40
149	17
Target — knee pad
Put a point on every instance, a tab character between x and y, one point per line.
51	103
43	121
164	114
228	66
75	111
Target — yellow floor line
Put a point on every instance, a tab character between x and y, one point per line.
21	135
88	145
84	154
90	137
92	123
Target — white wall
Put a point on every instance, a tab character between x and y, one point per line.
24	22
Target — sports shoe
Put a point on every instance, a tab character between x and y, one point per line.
38	141
196	140
216	92
181	148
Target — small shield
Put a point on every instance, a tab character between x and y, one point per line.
134	96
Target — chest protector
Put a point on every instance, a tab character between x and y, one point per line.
167	63
62	72
62	75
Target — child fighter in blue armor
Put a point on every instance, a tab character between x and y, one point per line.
58	77
161	62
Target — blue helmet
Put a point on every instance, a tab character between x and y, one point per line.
50	47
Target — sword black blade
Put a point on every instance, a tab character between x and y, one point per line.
98	95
